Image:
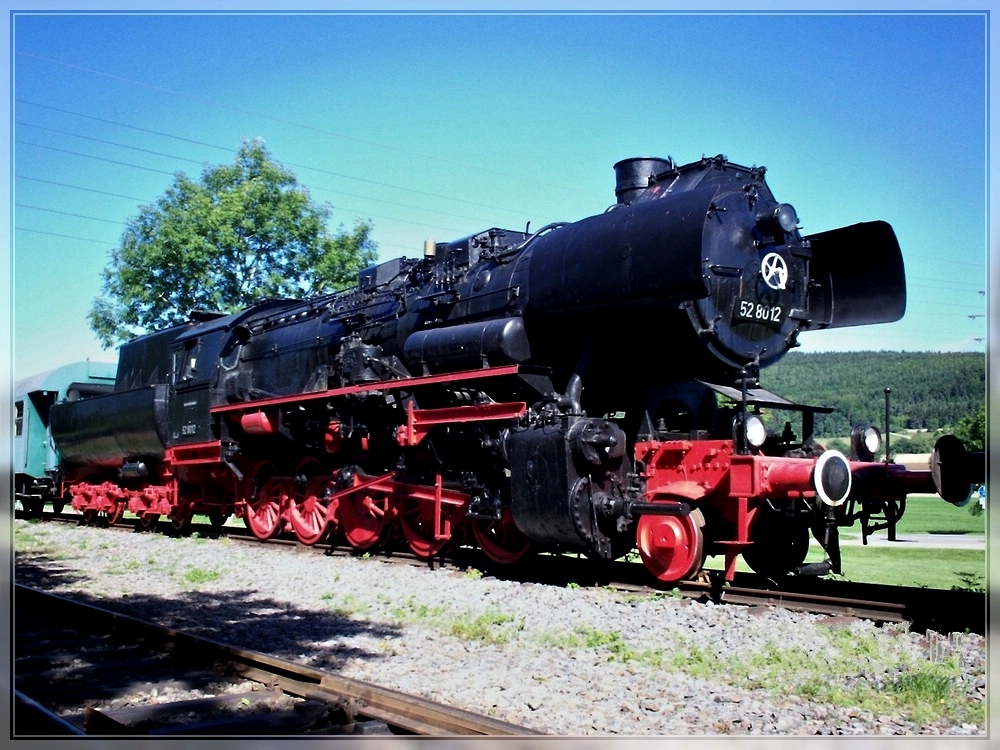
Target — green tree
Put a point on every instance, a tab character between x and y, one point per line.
972	429
245	232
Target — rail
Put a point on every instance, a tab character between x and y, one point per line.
94	649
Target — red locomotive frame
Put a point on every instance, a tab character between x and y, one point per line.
680	480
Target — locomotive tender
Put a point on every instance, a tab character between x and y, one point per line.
591	387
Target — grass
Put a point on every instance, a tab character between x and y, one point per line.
929	514
197	576
609	642
489	627
936	568
28	537
844	668
652	597
904	564
345	605
124	568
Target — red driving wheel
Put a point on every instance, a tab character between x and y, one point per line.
420	529
264	506
307	510
500	540
672	547
366	517
116	513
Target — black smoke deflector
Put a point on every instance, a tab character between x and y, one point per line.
857	277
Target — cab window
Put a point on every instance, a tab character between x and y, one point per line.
186	365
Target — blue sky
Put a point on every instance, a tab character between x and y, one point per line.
440	125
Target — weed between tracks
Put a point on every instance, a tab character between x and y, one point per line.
28	537
841	668
488	627
348	605
198	576
610	642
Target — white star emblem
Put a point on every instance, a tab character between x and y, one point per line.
774	270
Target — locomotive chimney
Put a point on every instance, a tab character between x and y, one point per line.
633	176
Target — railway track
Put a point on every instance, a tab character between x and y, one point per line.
941	610
84	670
925	609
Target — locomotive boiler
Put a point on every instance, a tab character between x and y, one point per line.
589	387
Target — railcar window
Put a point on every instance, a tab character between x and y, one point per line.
18	417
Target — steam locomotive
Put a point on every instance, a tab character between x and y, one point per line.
591	387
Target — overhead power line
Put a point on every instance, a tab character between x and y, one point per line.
284	121
98	158
121	124
64	236
67	213
313	188
342	175
85	189
106	142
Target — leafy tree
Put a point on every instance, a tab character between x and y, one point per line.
245	232
972	429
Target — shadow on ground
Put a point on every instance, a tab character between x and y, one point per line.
327	639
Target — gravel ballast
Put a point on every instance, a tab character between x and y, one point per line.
566	661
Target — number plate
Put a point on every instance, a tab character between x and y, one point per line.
756	312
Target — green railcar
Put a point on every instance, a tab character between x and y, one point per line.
37	465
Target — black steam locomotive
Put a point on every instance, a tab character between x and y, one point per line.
591	387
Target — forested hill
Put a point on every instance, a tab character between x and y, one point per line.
929	390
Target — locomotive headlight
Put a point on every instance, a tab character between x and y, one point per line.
778	219
785	217
754	430
866	441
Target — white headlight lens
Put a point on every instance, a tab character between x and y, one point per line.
786	217
866	441
873	440
756	432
